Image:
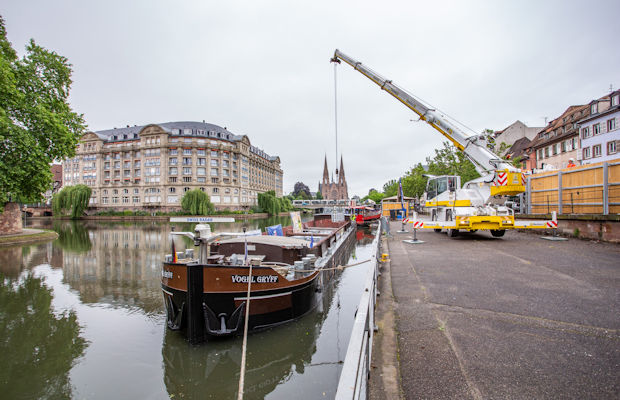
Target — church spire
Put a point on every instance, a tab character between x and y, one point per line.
325	172
341	178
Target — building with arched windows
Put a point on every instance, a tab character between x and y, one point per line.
150	167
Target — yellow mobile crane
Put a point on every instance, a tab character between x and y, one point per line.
479	203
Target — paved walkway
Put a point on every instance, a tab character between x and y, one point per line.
512	318
27	236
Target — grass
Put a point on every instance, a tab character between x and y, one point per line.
33	237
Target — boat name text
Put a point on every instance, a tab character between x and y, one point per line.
255	279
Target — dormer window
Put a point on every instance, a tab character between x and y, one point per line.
615	100
594	108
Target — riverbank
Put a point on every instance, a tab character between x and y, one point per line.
158	217
27	236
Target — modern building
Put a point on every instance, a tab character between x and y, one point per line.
150	167
600	133
331	189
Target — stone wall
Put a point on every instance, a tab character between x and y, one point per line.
11	219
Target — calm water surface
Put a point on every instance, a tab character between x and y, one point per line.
83	317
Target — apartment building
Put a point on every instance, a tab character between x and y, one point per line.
150	167
559	140
600	136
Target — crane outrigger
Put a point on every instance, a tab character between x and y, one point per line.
479	203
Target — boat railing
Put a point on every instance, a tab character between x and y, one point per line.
353	383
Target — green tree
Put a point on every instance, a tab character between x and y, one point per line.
414	183
374	196
269	202
319	195
37	124
449	161
71	199
390	188
197	202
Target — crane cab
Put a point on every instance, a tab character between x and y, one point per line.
437	185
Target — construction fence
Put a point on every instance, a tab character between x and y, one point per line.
588	189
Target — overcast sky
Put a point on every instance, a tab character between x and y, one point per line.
261	68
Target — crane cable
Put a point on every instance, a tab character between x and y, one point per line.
336	114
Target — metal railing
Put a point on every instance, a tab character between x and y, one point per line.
353	383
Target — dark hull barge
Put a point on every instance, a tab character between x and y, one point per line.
206	296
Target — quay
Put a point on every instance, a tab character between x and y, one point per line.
475	317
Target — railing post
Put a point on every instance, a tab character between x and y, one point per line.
605	188
559	192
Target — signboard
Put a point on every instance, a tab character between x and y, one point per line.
201	219
296	219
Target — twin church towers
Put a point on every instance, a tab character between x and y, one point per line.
334	189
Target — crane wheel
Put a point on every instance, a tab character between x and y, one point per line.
498	232
453	233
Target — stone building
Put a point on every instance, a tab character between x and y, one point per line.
331	189
150	167
514	132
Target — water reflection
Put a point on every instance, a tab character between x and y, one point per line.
108	274
38	346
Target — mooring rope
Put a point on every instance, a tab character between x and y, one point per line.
245	337
339	267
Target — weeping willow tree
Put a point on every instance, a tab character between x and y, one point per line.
71	200
197	202
273	205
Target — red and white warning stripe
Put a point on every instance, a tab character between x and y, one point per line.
502	178
524	179
418	224
552	224
405	220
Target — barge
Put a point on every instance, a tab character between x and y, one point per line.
206	296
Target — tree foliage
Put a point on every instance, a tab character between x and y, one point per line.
449	161
319	195
301	191
37	124
273	205
197	202
72	200
374	196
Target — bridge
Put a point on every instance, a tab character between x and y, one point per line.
314	204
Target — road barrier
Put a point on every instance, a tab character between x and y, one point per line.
589	189
353	382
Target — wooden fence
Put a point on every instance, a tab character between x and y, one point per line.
588	189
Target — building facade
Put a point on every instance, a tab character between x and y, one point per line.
331	189
559	140
600	133
513	133
150	167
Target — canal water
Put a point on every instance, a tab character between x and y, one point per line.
83	317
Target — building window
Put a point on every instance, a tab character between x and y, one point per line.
201	152
187	161
215	199
554	149
596	129
201	179
611	147
136	191
563	147
201	171
185	189
611	124
201	161
539	154
172	190
136	199
214	180
586	153
172	179
216	190
173	199
214	172
187	170
173	161
187	152
585	132
546	152
187	179
214	153
173	152
214	163
615	100
594	108
173	171
596	150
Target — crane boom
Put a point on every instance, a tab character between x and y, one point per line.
474	147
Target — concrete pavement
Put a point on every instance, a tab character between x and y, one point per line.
513	318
